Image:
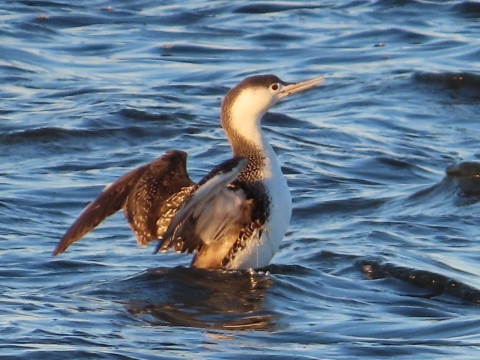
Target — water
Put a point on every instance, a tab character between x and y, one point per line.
381	257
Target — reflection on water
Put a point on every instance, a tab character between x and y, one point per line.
199	298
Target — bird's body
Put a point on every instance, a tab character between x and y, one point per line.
235	217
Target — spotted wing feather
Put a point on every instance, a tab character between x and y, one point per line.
151	198
205	216
137	192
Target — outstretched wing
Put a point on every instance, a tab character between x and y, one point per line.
137	192
155	197
216	208
110	200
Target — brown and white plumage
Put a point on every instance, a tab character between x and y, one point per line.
235	217
146	194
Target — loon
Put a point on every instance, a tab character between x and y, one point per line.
233	218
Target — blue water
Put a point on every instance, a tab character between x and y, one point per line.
382	254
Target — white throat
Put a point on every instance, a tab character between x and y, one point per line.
242	119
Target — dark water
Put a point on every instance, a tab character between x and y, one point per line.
382	254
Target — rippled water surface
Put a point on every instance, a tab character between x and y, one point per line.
381	258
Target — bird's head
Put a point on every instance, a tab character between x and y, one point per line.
245	104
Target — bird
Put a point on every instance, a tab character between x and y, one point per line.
235	217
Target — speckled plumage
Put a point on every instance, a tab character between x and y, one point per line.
156	195
144	194
235	217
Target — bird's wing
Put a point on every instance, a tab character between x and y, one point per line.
155	197
209	213
129	192
110	200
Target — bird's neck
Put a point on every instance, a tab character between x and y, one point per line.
248	140
244	133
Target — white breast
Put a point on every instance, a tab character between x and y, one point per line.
260	250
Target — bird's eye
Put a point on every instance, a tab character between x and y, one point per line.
274	87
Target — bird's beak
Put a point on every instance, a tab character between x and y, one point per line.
293	88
